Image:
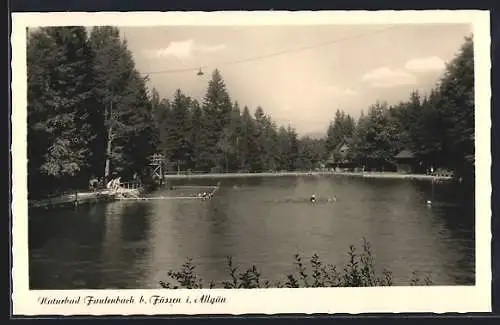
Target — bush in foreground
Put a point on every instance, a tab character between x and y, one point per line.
359	271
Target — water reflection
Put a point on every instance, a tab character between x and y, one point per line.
133	244
126	244
63	248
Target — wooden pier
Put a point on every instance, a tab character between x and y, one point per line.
160	198
198	196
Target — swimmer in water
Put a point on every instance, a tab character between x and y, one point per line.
313	198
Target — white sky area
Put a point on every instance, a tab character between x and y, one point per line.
360	65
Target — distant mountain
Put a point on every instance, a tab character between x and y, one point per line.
314	135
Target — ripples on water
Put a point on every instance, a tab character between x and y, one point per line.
129	244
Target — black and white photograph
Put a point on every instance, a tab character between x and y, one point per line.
230	153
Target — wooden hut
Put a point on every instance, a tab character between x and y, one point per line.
405	162
340	157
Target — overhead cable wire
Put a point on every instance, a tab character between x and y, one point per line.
269	55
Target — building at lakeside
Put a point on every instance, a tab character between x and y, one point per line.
406	162
341	157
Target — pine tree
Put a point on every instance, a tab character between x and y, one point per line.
249	156
163	115
217	108
260	135
342	127
283	148
196	137
348	126
293	153
427	135
234	138
178	140
156	106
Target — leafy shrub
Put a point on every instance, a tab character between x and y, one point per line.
358	272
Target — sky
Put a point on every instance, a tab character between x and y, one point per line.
299	75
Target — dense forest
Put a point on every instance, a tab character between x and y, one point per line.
91	114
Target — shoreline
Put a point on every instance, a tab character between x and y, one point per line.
76	199
386	175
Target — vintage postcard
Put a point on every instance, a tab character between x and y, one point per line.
251	162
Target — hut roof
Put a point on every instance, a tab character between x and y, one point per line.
405	154
344	141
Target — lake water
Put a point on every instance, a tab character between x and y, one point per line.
257	221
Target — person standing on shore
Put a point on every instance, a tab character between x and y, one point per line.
93	183
135	179
116	185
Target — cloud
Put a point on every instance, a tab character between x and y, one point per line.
387	78
432	63
184	49
350	92
181	49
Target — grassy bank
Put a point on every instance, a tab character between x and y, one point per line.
359	271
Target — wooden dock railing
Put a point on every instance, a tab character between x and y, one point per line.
130	185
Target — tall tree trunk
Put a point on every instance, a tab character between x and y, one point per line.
226	161
109	147
237	160
107	167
